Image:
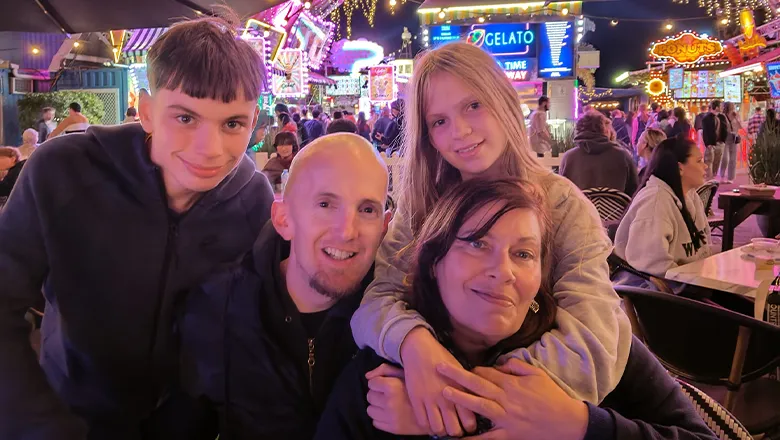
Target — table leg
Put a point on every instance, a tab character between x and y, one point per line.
728	224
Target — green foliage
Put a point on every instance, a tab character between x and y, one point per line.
764	158
30	106
563	137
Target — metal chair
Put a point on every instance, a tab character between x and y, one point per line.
713	346
707	192
717	418
609	202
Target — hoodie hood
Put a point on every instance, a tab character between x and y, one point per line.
593	143
124	149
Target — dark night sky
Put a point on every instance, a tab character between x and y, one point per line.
623	47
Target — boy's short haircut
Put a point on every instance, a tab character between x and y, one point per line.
206	58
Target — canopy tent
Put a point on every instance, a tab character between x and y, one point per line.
75	16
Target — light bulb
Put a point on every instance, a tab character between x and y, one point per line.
614	22
393	2
266	34
565	11
76	44
442	14
307	5
35	50
669	26
481	19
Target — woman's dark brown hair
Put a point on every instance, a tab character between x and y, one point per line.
440	230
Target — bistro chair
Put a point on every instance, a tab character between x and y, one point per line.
717	418
707	192
617	264
609	202
713	346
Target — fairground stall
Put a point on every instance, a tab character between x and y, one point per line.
535	43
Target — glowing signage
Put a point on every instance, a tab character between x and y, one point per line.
732	88
676	79
753	40
556	50
292	80
312	36
497	38
518	68
773	78
687	48
381	83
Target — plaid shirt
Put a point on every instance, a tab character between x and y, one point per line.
754	124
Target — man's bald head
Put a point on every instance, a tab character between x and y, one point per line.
345	148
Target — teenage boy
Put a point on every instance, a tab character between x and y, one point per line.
113	225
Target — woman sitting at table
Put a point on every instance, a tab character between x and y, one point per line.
481	278
666	226
286	145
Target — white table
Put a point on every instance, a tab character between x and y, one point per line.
727	271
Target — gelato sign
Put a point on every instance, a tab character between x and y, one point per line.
687	48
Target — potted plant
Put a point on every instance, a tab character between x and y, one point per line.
764	162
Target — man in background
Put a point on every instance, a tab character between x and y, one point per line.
46	124
314	127
380	126
131	115
539	132
754	124
714	133
75	122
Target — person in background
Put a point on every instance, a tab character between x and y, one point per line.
338	115
29	143
392	137
598	161
464	123
539	132
699	118
622	132
285	123
112	226
640	123
342	125
131	115
661	121
11	163
265	342
281	108
314	127
681	127
75	122
655	110
714	134
286	146
771	123
755	122
666	226
363	127
301	129
728	164
304	114
349	116
46	124
381	125
373	117
650	139
481	275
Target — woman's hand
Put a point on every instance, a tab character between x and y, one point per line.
421	353
389	405
521	401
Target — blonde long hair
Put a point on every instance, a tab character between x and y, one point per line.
426	175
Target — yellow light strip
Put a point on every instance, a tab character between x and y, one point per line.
481	7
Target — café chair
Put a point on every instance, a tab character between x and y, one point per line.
713	346
609	202
617	264
717	418
707	192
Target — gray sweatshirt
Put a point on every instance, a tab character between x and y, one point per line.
585	354
652	236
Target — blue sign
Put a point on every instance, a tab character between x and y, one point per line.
516	39
556	50
518	68
773	78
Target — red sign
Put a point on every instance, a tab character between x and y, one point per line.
687	48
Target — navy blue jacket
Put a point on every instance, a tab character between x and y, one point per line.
646	405
245	350
88	221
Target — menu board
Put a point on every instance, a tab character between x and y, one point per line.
381	83
676	78
732	89
701	84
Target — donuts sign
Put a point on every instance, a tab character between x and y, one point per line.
687	48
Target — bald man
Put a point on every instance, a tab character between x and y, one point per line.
263	343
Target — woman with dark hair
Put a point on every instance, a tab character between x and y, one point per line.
286	145
364	129
481	277
286	124
666	226
681	127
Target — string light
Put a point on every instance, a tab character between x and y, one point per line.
669	26
726	9
614	22
36	51
368	7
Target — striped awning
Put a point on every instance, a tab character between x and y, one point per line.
142	39
316	78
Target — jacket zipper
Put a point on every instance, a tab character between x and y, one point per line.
311	365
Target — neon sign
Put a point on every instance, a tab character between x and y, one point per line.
495	38
687	48
518	69
556	50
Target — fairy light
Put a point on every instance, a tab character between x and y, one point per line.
348	8
728	9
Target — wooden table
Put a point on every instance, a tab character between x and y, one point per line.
738	207
730	272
